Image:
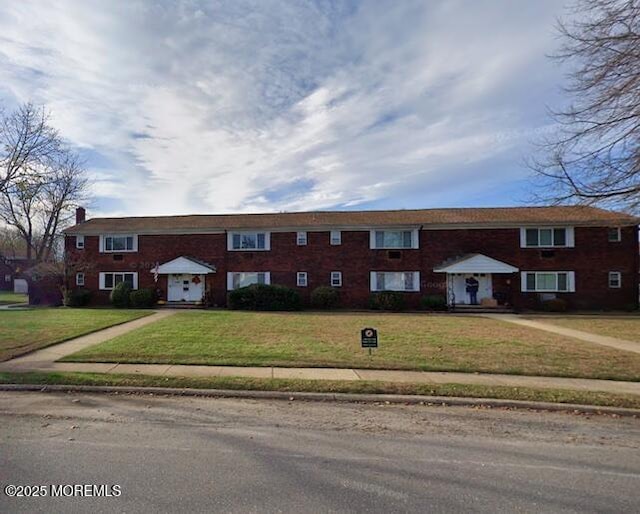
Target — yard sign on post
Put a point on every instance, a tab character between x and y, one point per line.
369	338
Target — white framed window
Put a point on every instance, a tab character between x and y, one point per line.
393	239
80	242
336	279
615	279
548	281
7	278
301	238
119	243
79	279
238	279
547	237
301	279
110	279
335	237
248	241
395	281
614	235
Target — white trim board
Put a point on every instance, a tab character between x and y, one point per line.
477	263
184	266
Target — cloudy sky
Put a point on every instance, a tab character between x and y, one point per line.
228	106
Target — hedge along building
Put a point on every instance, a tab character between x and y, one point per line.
519	256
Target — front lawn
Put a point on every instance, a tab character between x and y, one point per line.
8	297
22	331
622	327
407	341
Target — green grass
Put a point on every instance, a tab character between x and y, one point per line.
329	386
22	331
407	341
8	297
622	327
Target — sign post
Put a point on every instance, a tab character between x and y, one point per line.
369	338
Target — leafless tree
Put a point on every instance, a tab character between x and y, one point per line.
11	243
39	199
27	143
594	156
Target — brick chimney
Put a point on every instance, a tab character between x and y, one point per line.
80	215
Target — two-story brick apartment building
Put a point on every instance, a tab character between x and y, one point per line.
586	255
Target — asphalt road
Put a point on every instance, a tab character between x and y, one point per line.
171	454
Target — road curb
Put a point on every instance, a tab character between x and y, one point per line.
330	397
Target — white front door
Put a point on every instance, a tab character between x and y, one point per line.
185	288
459	287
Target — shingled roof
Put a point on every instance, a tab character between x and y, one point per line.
429	218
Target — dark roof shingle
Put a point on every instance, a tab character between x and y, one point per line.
485	216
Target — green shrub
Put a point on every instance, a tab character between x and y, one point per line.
120	295
631	307
554	305
434	302
262	297
76	297
143	298
387	301
325	297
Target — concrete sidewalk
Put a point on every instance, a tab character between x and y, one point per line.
45	360
397	376
611	342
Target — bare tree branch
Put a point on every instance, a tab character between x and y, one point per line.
594	156
27	143
43	181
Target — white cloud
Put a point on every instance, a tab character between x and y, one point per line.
237	106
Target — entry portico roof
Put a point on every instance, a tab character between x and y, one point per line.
475	263
185	265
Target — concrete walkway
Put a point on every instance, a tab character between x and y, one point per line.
14	306
611	342
45	360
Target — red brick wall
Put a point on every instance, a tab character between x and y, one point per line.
591	259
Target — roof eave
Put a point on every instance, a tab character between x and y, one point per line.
85	228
